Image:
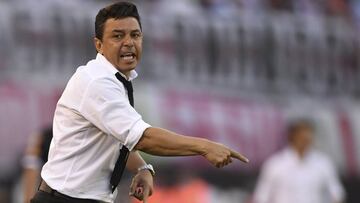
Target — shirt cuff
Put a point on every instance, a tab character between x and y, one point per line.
135	134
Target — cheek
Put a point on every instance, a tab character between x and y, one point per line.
139	50
112	51
111	45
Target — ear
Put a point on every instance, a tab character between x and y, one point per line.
98	45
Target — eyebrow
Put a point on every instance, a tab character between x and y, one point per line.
117	30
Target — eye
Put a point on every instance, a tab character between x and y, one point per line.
136	35
119	36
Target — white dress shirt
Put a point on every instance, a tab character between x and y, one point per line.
92	120
285	178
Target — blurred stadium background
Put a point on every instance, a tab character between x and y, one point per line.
235	71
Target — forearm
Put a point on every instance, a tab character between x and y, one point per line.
31	178
134	161
161	142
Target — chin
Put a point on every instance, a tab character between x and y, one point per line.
126	67
131	68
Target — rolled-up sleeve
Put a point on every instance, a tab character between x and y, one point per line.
105	104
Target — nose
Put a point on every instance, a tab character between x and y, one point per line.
128	41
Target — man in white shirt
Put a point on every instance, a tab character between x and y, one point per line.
94	118
298	173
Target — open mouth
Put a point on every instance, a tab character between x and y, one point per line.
127	56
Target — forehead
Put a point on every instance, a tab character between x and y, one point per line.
304	131
126	24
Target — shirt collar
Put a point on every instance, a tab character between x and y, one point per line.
291	152
103	61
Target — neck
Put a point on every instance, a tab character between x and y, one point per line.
301	152
125	74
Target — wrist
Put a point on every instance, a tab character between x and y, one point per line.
203	146
147	167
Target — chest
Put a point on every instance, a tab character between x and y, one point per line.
307	176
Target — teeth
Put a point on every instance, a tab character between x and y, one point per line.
128	57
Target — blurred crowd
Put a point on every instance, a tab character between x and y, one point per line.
343	8
264	46
349	9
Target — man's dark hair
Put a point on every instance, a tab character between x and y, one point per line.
297	126
117	11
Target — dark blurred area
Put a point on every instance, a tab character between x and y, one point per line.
234	71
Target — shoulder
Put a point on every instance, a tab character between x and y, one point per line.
321	159
94	75
104	88
319	156
89	81
276	160
92	70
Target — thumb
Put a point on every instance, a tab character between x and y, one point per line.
133	187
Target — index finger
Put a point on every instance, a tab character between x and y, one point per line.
146	194
239	156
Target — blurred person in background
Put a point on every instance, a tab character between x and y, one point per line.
281	5
338	8
95	126
35	157
354	6
219	8
298	173
256	5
